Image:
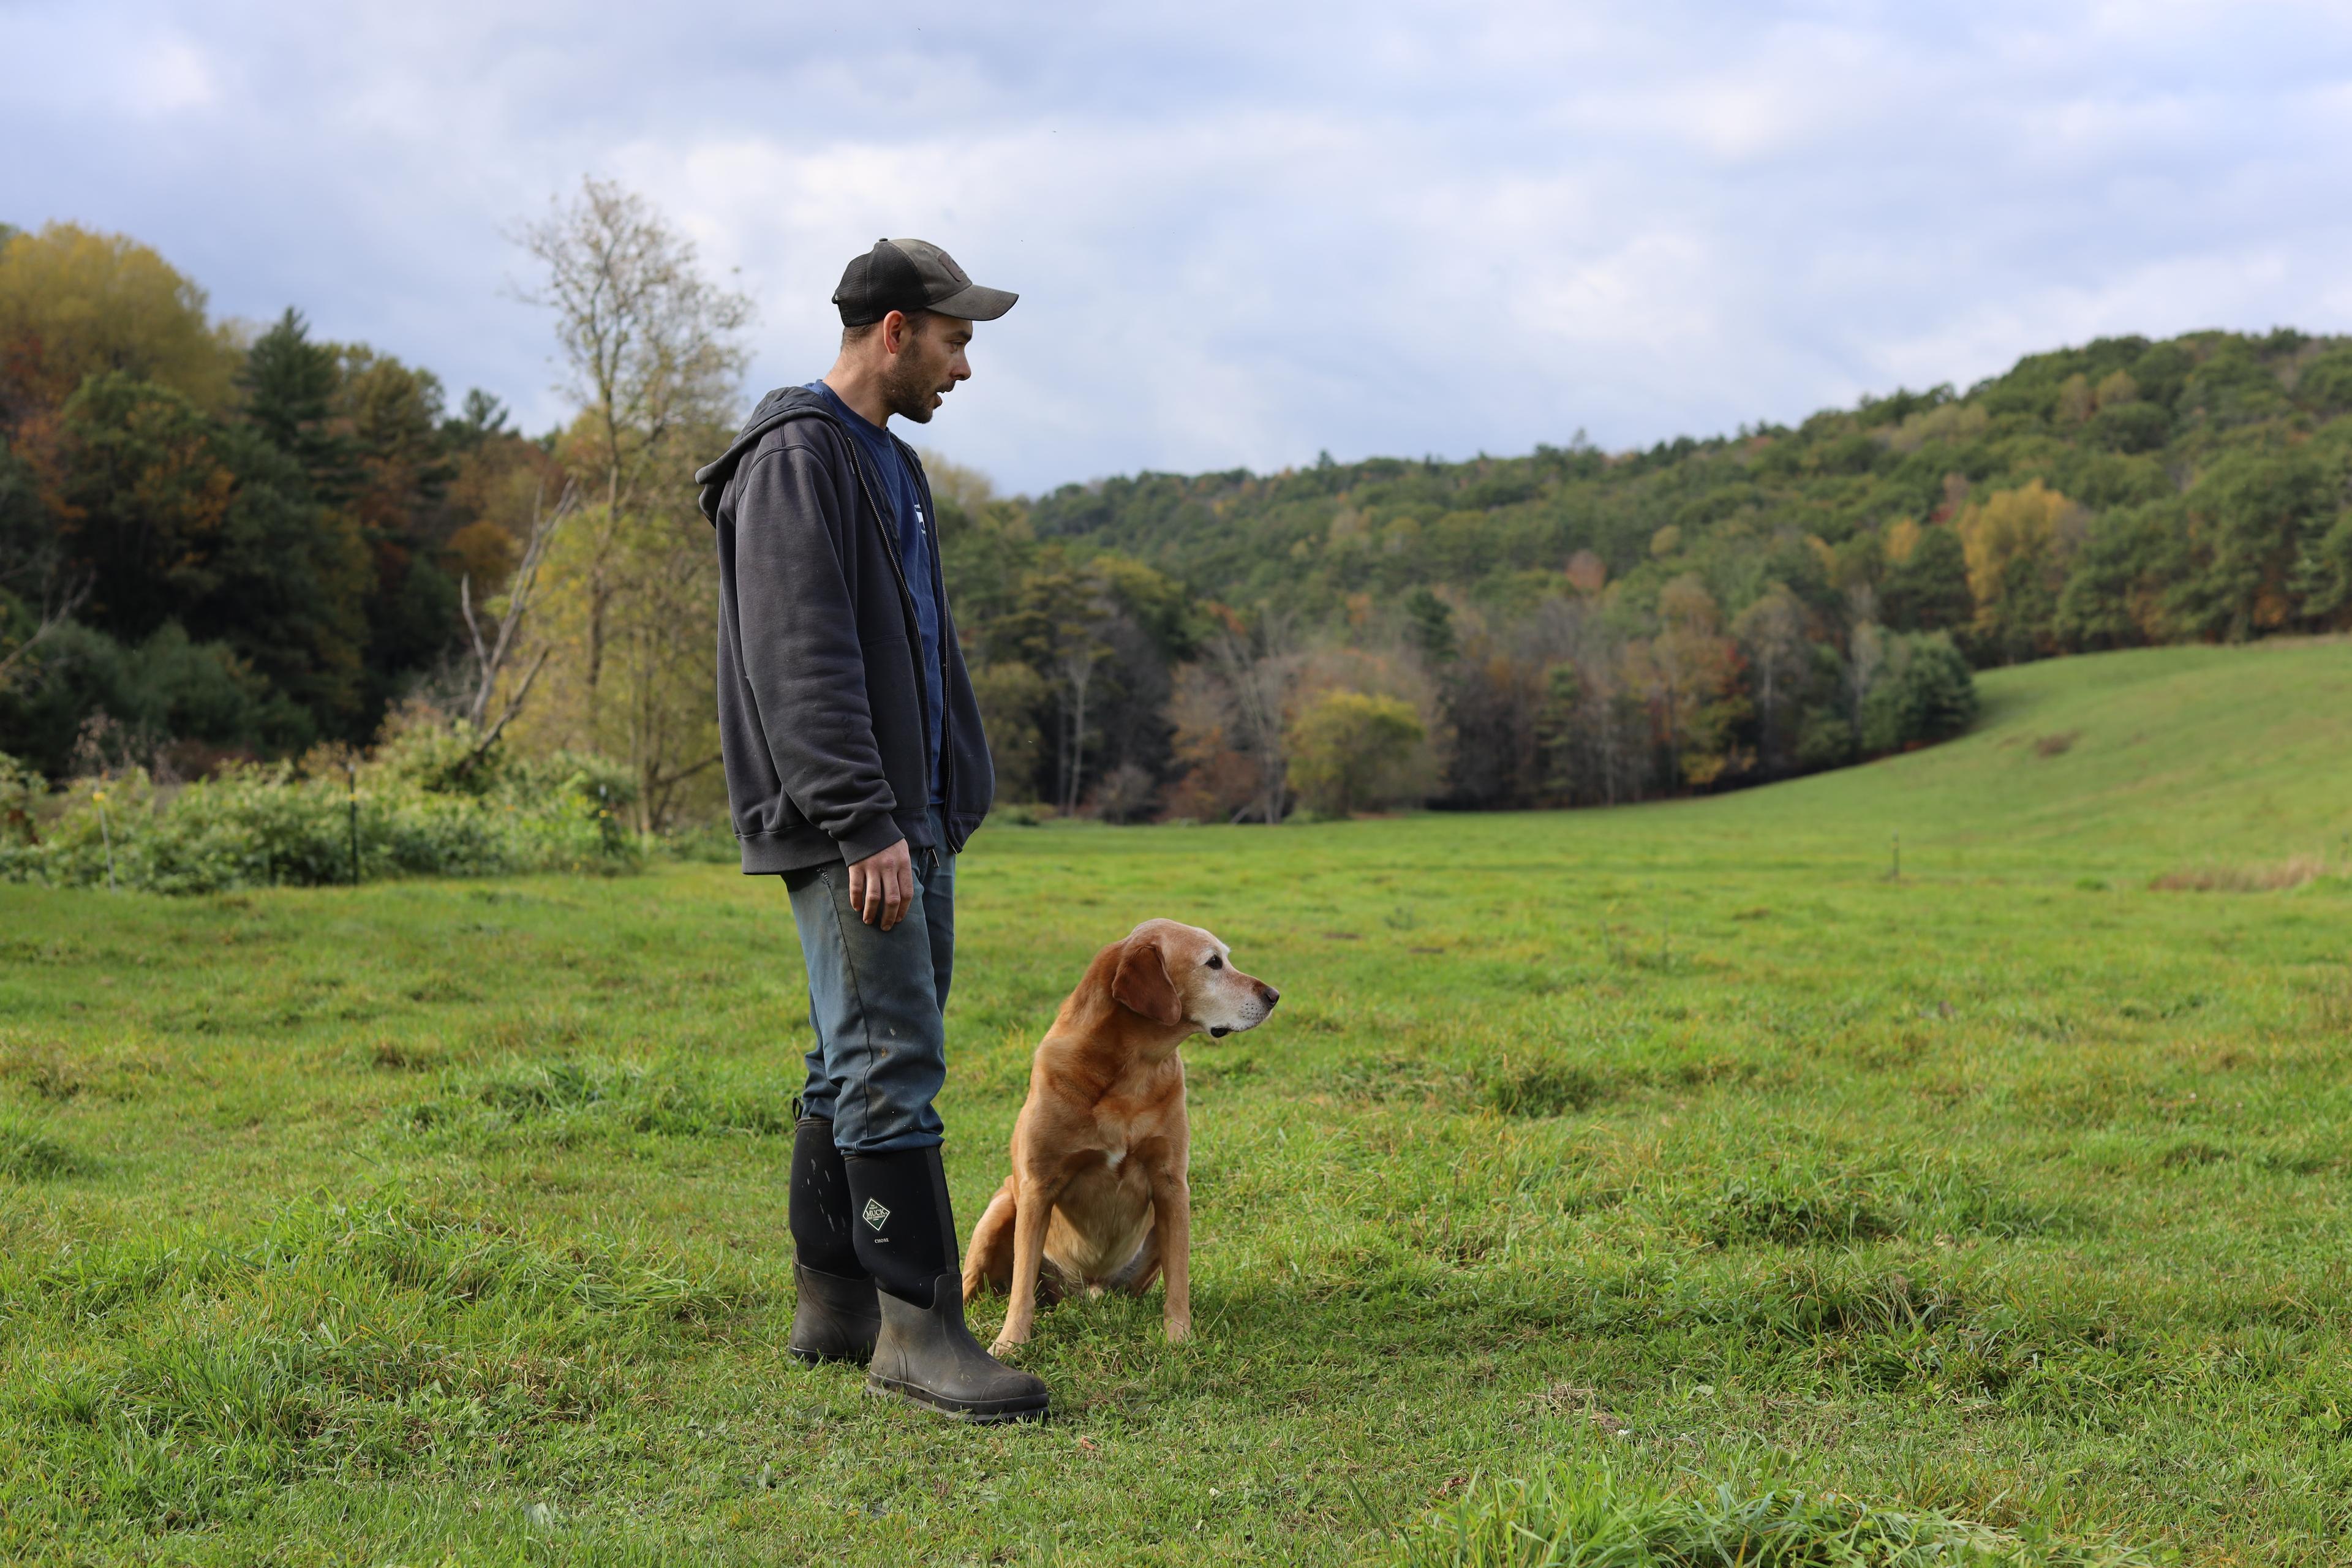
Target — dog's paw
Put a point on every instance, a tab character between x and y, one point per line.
1178	1332
1005	1344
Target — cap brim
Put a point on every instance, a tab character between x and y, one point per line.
974	303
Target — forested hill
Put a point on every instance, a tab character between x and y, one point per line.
2191	488
221	543
1577	626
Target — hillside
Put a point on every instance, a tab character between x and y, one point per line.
2140	763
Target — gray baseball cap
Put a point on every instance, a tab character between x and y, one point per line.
913	275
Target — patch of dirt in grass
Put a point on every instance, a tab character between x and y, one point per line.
45	1066
58	1071
408	1055
441	988
2274	876
1541	1088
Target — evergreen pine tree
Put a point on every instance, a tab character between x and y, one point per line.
290	384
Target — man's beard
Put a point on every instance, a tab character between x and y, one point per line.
907	389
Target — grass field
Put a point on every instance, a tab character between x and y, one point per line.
1678	1145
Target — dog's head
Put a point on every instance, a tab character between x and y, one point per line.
1173	973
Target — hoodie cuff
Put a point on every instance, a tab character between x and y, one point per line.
868	838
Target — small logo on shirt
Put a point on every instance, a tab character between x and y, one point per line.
874	1213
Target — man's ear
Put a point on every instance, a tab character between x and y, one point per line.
1141	983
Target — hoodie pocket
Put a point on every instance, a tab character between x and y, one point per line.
895	700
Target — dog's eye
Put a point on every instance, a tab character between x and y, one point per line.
1216	963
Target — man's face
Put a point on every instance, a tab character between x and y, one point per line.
928	364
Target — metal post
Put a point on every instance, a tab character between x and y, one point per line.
106	836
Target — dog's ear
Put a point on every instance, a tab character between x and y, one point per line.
1141	983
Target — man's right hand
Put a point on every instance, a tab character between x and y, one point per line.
882	886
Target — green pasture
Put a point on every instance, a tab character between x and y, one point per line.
1677	1151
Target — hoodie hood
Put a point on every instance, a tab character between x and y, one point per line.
780	407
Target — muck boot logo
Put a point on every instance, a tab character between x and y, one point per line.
875	1212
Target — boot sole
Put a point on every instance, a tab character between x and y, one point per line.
988	1414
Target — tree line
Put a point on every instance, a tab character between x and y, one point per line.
219	542
222	542
1575	627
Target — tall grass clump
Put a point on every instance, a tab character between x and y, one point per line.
1591	1517
424	804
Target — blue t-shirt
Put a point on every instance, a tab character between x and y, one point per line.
905	500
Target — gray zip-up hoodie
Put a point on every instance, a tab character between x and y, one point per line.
823	720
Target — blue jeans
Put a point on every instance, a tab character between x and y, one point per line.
875	1001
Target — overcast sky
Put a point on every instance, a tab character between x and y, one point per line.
1244	233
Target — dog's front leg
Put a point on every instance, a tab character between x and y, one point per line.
1033	1207
989	1259
1171	1217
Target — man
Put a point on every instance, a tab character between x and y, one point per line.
856	770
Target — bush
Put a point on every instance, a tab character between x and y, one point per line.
1351	752
707	843
409	812
1926	694
197	693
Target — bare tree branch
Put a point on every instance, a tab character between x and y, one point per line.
58	607
494	657
1260	671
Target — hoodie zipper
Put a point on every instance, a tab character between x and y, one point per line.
907	607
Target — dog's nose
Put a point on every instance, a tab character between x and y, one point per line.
1269	995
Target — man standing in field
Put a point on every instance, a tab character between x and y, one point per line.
856	769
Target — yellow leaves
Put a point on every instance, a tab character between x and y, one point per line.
2118	387
1352	750
1902	539
2031	524
74	302
1666	541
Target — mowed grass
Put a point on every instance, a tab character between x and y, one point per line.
1677	1148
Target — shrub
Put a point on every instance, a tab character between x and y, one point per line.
408	812
1351	752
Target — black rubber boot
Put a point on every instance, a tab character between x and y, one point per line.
836	1317
906	1238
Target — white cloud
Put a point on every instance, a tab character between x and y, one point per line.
169	75
1245	233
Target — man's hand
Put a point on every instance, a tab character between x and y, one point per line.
882	886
